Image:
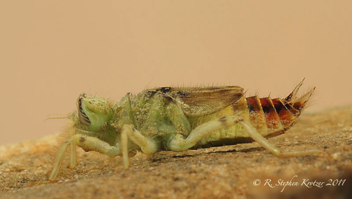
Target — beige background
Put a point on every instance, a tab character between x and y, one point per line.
51	51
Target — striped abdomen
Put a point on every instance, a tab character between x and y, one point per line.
272	116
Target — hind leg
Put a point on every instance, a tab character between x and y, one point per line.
179	143
255	135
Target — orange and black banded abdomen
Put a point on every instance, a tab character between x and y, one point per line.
271	115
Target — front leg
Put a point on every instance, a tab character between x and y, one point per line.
73	153
86	143
147	145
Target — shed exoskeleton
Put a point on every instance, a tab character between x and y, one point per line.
178	119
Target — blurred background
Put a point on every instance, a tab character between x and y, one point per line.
51	51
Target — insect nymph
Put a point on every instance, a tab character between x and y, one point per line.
178	119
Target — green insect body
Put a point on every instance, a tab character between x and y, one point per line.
178	119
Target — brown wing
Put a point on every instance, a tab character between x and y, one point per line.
200	101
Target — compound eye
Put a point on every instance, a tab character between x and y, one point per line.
83	118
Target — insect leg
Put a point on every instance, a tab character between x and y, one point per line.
179	143
255	135
58	160
147	145
73	153
86	143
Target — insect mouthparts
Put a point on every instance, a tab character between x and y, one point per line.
83	118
